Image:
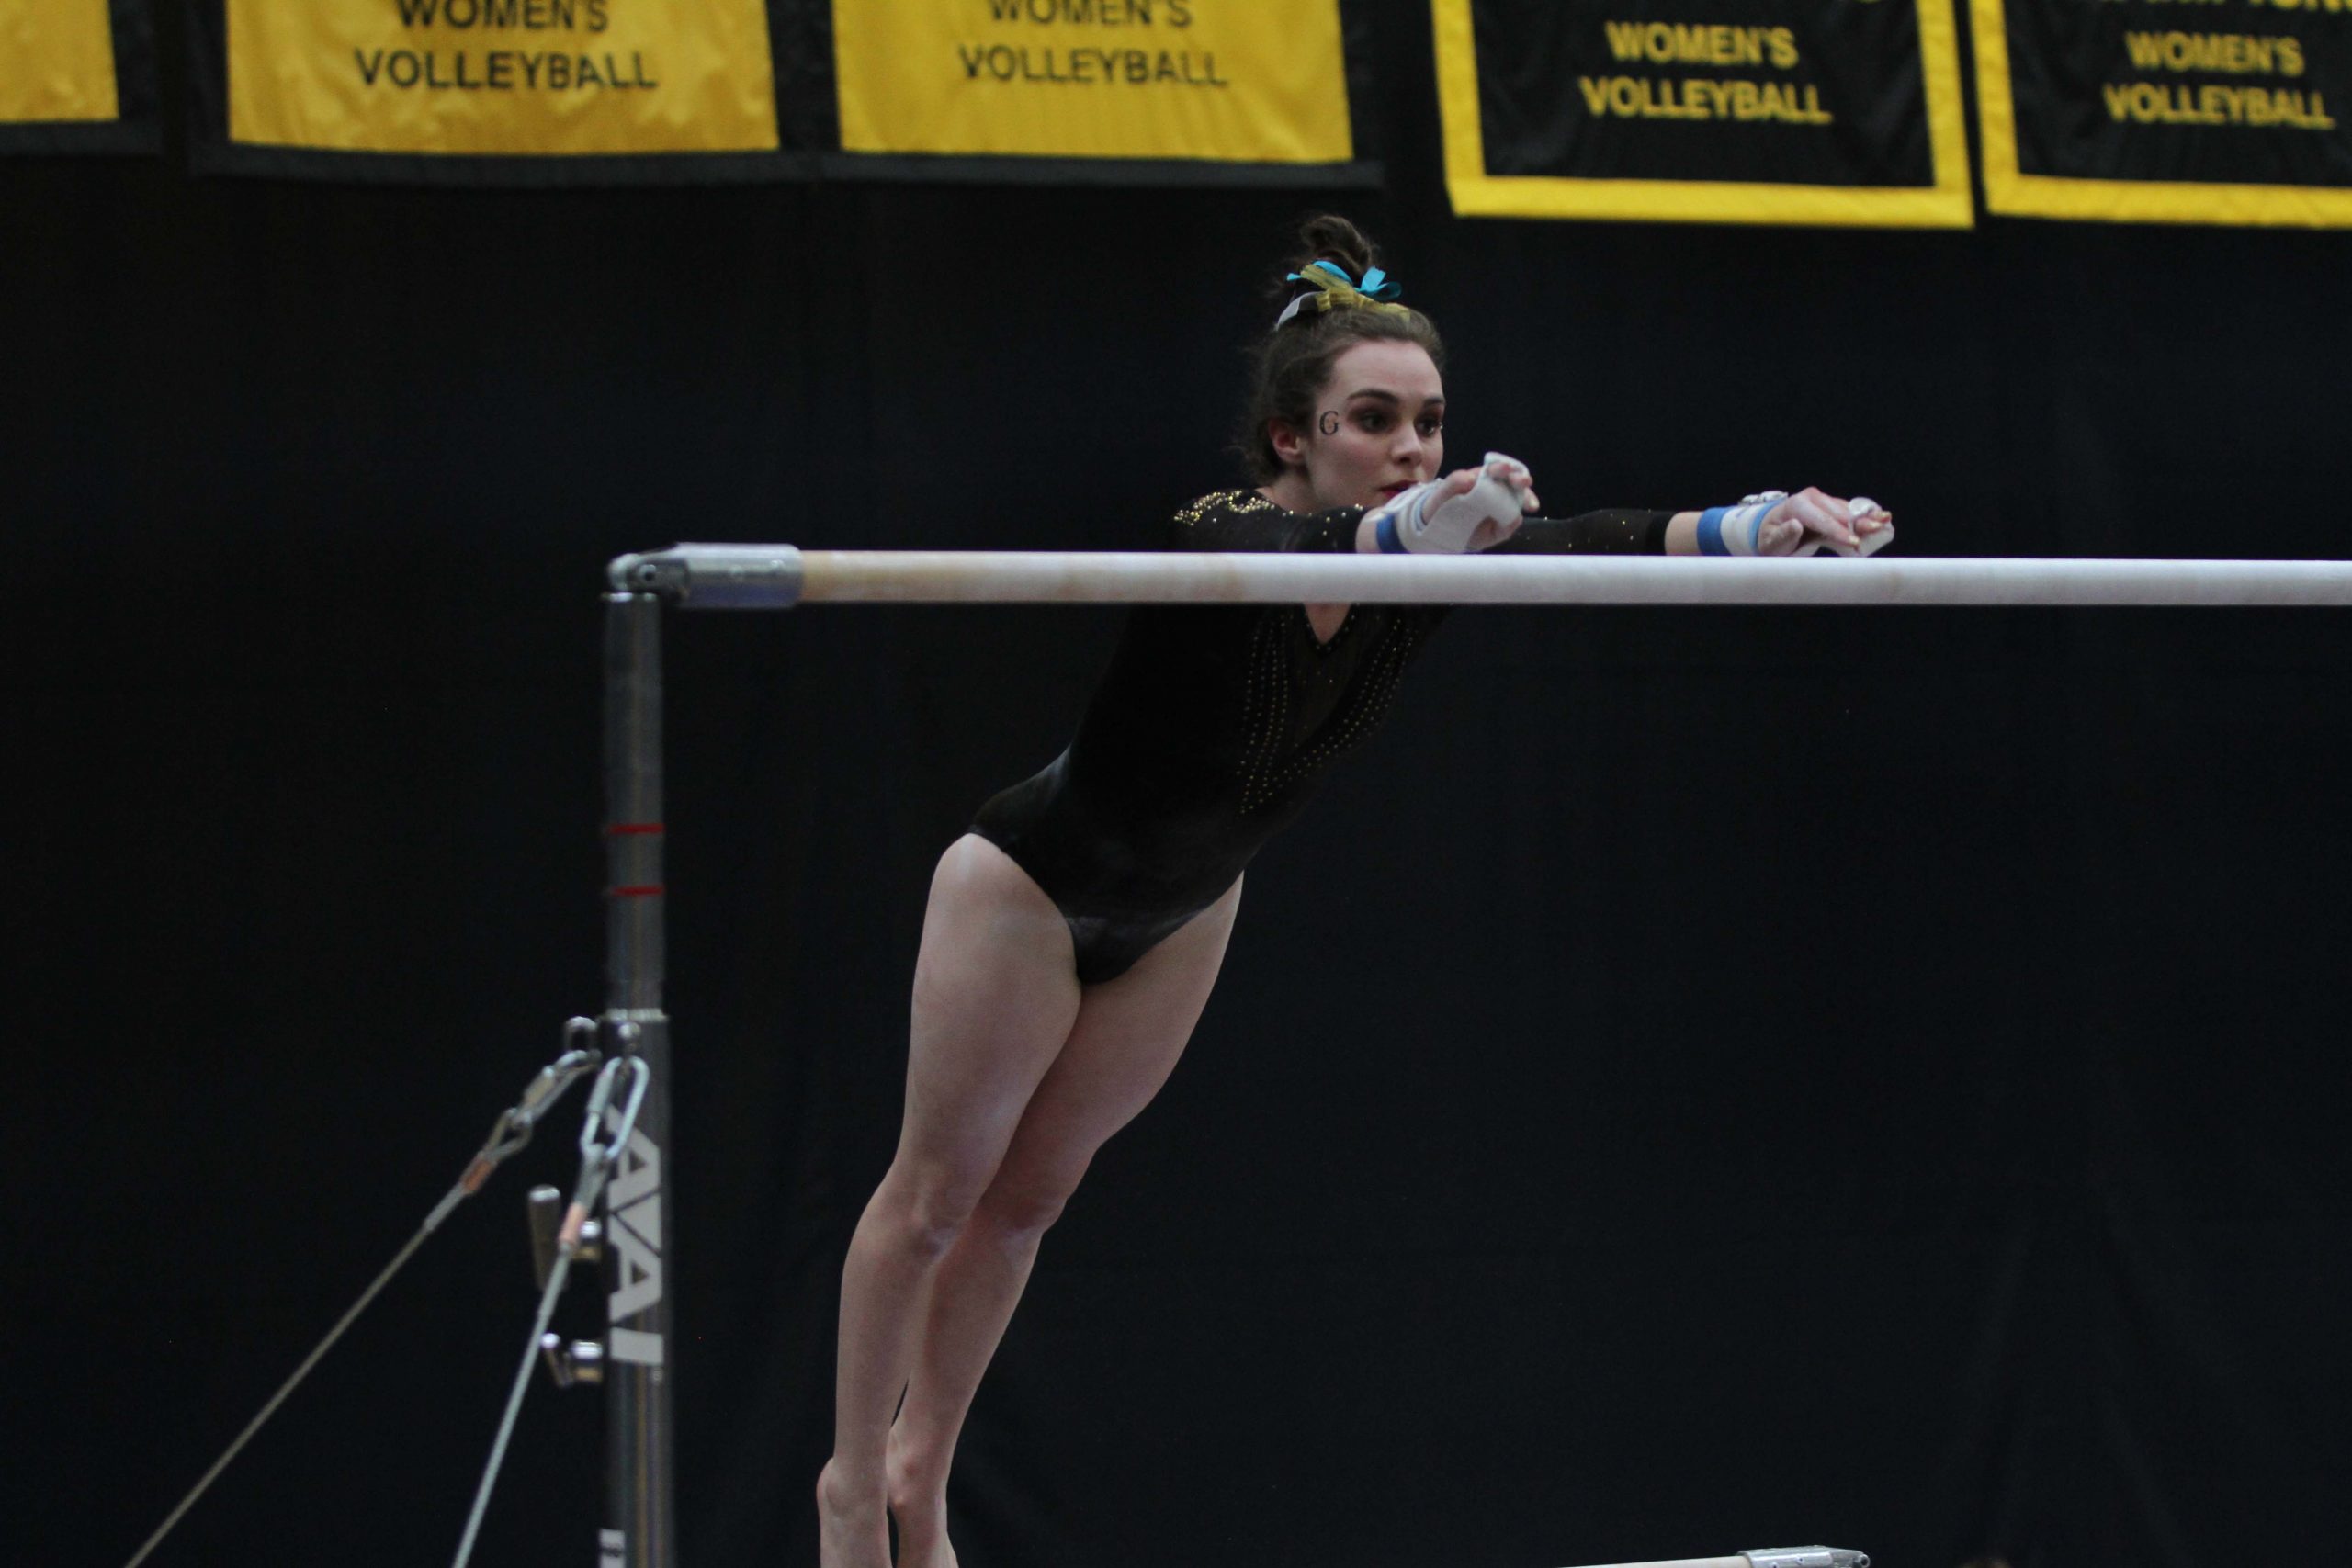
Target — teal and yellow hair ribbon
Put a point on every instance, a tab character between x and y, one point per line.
1336	290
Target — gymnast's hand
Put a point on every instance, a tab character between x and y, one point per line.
1811	520
1468	511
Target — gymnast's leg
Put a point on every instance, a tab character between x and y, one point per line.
1128	1034
995	998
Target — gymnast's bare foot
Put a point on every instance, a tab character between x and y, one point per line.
919	1504
851	1530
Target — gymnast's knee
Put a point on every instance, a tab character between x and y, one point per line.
926	1216
1018	1213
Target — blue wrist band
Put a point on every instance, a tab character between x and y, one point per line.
1710	532
1385	533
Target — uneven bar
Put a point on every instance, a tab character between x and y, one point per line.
776	577
1766	1557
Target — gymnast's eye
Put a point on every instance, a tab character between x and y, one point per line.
1431	424
1372	420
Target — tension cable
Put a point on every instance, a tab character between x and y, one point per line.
508	1135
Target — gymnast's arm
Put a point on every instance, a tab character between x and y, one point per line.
1778	525
1807	515
1612	533
1246	520
1243	521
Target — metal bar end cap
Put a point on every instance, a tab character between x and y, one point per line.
713	577
1806	1557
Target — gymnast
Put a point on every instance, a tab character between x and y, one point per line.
1071	937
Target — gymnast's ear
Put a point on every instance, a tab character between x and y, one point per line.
1288	443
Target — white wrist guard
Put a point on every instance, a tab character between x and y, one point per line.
1411	523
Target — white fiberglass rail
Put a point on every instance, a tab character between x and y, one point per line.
775	577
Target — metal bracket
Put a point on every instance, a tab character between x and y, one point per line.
546	1213
578	1360
1805	1557
567	1361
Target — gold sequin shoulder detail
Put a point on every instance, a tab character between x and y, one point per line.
1243	501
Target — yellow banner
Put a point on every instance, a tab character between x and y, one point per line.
2147	113
502	76
56	60
1246	80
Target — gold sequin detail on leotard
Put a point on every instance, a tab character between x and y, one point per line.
1276	660
1240	500
1266	767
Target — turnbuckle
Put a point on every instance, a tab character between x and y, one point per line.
514	1127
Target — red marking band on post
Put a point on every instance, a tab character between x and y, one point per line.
623	829
654	890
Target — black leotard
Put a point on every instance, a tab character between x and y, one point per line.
1213	725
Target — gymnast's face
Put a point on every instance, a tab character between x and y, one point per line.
1379	427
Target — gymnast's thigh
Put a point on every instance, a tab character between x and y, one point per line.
1128	1034
995	998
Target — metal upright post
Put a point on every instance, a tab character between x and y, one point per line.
638	1529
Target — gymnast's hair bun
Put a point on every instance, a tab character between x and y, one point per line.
1328	237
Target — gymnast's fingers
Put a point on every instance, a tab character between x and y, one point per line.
1780	534
1822	514
1510	470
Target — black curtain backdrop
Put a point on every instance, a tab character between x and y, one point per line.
1699	1080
